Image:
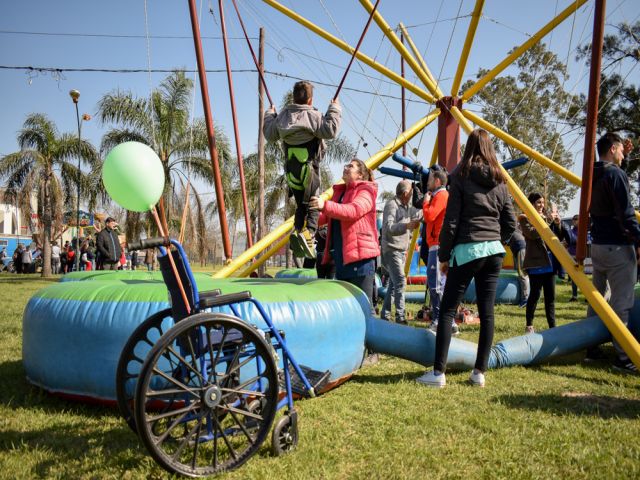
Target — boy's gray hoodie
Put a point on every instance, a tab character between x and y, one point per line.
298	124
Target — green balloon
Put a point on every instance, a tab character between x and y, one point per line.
133	175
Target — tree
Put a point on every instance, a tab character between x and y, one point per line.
45	166
619	106
162	122
526	106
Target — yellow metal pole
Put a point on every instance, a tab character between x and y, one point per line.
274	248
547	162
416	53
388	31
619	331
468	42
410	252
522	48
463	122
349	49
434	153
286	227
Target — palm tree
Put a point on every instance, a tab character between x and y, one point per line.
44	166
162	122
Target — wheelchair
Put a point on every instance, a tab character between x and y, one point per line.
202	388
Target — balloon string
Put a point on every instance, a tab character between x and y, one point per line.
154	212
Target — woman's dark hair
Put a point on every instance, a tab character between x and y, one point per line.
367	174
534	197
479	151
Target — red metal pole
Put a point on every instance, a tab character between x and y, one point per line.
591	129
243	188
202	74
402	94
448	133
353	56
253	54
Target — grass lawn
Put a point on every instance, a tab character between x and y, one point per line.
563	420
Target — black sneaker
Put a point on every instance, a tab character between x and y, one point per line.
625	367
573	299
594	354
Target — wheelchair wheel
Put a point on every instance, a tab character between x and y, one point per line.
284	437
132	357
217	366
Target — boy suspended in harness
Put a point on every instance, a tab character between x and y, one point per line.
303	129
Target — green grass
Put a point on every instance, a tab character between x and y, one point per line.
565	419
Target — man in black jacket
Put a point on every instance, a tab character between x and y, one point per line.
109	246
615	234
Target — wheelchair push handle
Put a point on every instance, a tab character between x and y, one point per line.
154	242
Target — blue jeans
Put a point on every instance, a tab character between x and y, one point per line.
435	283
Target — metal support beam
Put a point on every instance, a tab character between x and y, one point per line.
390	34
448	134
476	87
349	49
420	59
468	42
591	128
213	151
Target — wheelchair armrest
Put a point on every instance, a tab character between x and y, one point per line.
218	300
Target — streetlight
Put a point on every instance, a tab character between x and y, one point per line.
75	95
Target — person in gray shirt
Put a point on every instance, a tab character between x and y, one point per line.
399	219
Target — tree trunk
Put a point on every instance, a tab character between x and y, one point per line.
46	225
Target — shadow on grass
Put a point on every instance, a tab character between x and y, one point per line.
577	404
15	279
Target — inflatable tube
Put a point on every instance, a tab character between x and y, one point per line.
297	273
507	292
73	332
418	344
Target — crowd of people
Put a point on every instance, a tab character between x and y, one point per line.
105	251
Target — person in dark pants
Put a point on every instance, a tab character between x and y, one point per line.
615	236
109	246
539	266
478	220
352	236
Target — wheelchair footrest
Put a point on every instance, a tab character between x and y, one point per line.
318	380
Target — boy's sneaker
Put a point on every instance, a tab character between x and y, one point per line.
296	244
529	329
430	379
455	330
476	378
434	327
594	354
573	299
307	243
625	367
523	303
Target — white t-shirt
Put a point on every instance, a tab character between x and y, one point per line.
55	251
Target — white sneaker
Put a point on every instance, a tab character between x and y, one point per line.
529	329
476	378
432	380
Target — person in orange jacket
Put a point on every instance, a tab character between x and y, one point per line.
434	207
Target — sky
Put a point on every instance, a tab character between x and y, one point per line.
156	35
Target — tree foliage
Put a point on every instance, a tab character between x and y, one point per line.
528	105
46	165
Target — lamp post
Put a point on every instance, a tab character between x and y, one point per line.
75	95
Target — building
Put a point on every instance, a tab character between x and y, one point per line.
12	229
